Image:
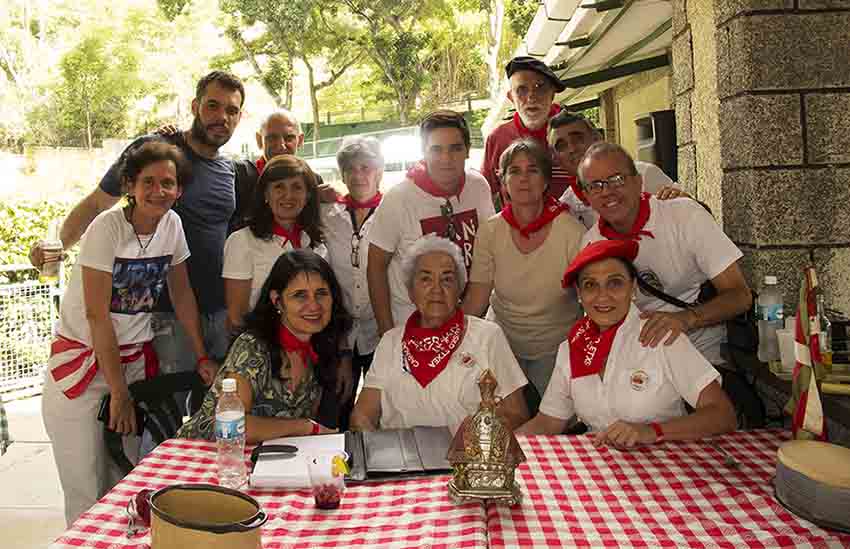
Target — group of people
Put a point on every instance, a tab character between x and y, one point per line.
257	271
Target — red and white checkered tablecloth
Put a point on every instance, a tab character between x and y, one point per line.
666	495
412	513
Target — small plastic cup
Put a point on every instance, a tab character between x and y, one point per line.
786	349
326	479
52	252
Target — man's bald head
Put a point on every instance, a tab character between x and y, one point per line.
280	133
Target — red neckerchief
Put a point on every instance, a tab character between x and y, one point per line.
419	175
539	134
574	185
350	203
293	235
606	230
261	164
589	348
292	344
551	209
426	351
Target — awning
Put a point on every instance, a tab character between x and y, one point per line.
595	45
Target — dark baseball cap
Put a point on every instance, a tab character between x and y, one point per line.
526	63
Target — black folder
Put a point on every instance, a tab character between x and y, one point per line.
398	453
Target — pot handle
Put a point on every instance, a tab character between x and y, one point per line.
258	520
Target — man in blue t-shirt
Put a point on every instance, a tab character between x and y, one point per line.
205	210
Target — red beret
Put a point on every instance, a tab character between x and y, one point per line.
597	251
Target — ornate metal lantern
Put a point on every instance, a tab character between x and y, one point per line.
484	453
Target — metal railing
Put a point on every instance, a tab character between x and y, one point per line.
28	312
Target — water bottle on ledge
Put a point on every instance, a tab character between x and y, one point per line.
770	319
825	335
230	437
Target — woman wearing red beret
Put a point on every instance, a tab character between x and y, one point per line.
626	393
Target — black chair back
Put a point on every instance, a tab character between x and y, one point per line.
157	399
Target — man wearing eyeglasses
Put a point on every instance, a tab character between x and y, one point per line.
681	246
532	92
438	196
570	135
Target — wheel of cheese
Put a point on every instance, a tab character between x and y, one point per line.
813	481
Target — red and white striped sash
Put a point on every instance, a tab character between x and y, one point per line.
73	364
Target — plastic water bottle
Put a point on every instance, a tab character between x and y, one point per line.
825	335
230	437
770	318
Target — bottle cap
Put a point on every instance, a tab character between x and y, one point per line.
770	280
228	385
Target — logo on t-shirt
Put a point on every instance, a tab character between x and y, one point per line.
652	279
460	228
638	380
138	283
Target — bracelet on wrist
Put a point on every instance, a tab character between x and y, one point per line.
314	427
344	353
202	359
659	432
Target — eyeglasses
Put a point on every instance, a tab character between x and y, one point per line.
356	237
448	212
539	88
614	182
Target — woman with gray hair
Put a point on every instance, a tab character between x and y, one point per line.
425	372
347	224
520	255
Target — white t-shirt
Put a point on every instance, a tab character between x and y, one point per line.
138	277
640	384
339	235
654	179
689	248
407	212
454	393
247	257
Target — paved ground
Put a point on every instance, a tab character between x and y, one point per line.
31	508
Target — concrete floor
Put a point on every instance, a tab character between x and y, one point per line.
31	506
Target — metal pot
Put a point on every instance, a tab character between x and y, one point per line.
205	515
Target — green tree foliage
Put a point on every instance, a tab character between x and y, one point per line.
519	14
21	225
98	84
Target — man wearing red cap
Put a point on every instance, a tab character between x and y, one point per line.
533	89
681	246
570	135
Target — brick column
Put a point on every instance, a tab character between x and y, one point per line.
783	86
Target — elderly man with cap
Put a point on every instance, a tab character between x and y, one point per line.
681	247
533	89
626	393
570	135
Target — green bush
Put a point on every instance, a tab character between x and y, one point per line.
21	225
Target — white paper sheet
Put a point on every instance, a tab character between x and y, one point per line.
281	471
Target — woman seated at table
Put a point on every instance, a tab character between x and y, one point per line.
626	393
425	373
520	255
284	216
285	361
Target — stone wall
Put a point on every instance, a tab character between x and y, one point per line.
781	79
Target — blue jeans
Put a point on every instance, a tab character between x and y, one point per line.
538	371
174	350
